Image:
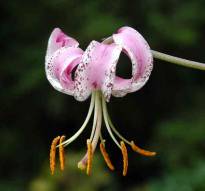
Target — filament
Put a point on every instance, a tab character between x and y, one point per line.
61	153
75	136
107	123
114	129
53	154
125	158
132	144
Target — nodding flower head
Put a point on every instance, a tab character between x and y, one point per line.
95	75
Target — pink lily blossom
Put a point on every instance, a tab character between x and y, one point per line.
95	75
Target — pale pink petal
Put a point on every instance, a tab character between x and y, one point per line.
109	70
96	70
59	67
138	50
57	40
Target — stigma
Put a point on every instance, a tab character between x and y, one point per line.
99	110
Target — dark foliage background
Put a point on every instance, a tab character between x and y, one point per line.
167	115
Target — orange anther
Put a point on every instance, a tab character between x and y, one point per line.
61	153
125	158
90	157
141	151
53	154
106	157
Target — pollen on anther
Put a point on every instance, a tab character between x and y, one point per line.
53	154
90	157
141	151
61	153
125	158
106	157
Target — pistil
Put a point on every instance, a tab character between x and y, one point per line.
83	162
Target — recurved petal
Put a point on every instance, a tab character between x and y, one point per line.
138	50
59	39
59	67
96	70
109	59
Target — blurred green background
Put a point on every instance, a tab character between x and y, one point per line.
167	115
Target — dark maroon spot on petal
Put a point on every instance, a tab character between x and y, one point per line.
94	85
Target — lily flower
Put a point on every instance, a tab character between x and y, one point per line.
95	75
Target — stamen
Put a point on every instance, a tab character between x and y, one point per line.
113	127
115	130
90	157
132	144
141	151
53	154
75	136
125	158
106	156
105	115
61	153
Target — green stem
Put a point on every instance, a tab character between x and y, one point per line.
168	58
178	61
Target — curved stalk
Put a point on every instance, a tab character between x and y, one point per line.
178	61
168	58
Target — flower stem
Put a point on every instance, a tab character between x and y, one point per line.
178	61
169	58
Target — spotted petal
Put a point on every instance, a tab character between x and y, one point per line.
57	40
138	50
59	67
96	70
